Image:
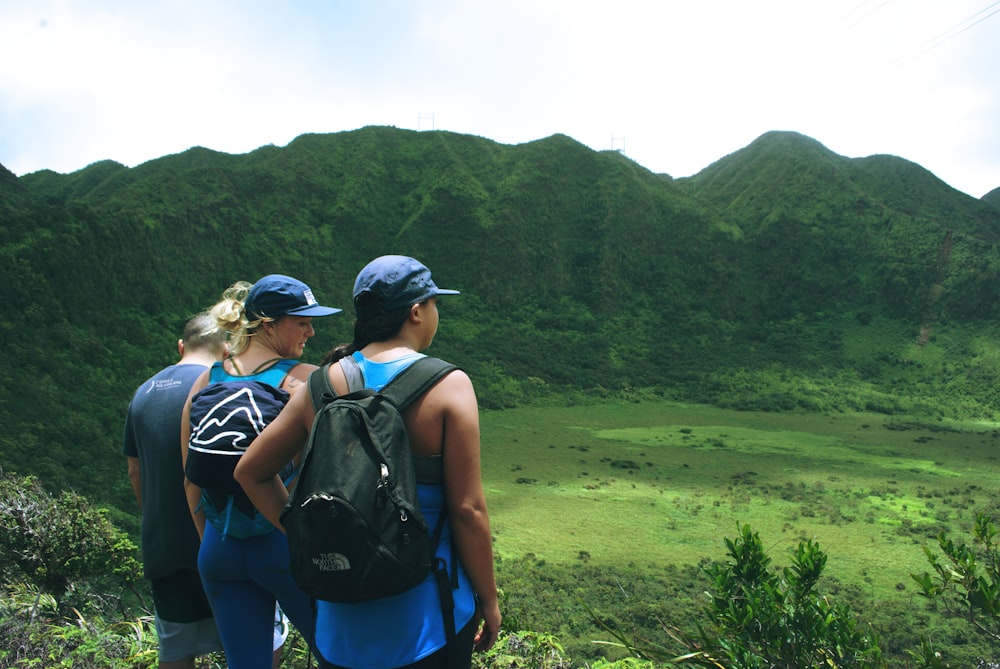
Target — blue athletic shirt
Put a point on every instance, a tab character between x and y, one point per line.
273	375
401	629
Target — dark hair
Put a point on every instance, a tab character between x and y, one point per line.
377	327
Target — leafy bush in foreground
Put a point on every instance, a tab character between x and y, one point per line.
966	583
762	617
77	642
57	543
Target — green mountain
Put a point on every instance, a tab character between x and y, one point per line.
582	273
826	233
993	197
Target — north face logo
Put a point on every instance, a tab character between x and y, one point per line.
332	562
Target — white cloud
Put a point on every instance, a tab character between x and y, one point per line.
677	85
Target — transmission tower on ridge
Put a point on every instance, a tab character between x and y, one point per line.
425	117
618	143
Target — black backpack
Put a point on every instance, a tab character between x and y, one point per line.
354	525
226	417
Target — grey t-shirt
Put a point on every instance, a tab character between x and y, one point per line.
153	434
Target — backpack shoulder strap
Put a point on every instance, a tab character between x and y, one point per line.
408	385
321	391
352	372
415	380
319	381
319	386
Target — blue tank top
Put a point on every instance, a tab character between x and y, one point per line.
272	376
402	629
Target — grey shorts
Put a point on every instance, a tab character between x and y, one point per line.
184	641
181	596
184	622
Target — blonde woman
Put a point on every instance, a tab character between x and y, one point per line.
269	324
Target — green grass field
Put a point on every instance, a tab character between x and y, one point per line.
665	483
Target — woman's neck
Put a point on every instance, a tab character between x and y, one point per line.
256	356
385	351
204	358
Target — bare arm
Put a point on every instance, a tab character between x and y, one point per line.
191	491
135	479
467	500
280	443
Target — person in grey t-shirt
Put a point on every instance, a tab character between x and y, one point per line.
184	621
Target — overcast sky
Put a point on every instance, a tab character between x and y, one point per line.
675	85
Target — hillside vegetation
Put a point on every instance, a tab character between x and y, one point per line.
783	276
613	306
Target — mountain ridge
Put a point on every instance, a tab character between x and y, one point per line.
583	274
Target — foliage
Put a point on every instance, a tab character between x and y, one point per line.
58	541
561	599
34	634
763	617
523	650
101	638
776	618
966	577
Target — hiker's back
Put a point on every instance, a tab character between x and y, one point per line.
353	634
225	417
356	531
425	418
267	321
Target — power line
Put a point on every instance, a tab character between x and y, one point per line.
947	35
870	12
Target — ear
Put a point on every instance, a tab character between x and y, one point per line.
180	347
415	314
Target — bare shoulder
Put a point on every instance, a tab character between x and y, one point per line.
199	383
454	389
298	376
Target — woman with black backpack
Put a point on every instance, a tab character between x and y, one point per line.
395	301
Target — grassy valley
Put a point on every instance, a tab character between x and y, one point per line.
638	490
662	482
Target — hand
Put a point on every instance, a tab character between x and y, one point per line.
490	629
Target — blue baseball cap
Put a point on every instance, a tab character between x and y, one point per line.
278	295
395	282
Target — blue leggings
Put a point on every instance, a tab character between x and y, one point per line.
242	579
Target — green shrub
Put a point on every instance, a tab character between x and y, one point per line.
523	650
55	542
759	617
966	579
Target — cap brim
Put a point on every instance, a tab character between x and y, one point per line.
446	291
314	310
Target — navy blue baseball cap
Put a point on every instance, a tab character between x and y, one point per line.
393	282
278	295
